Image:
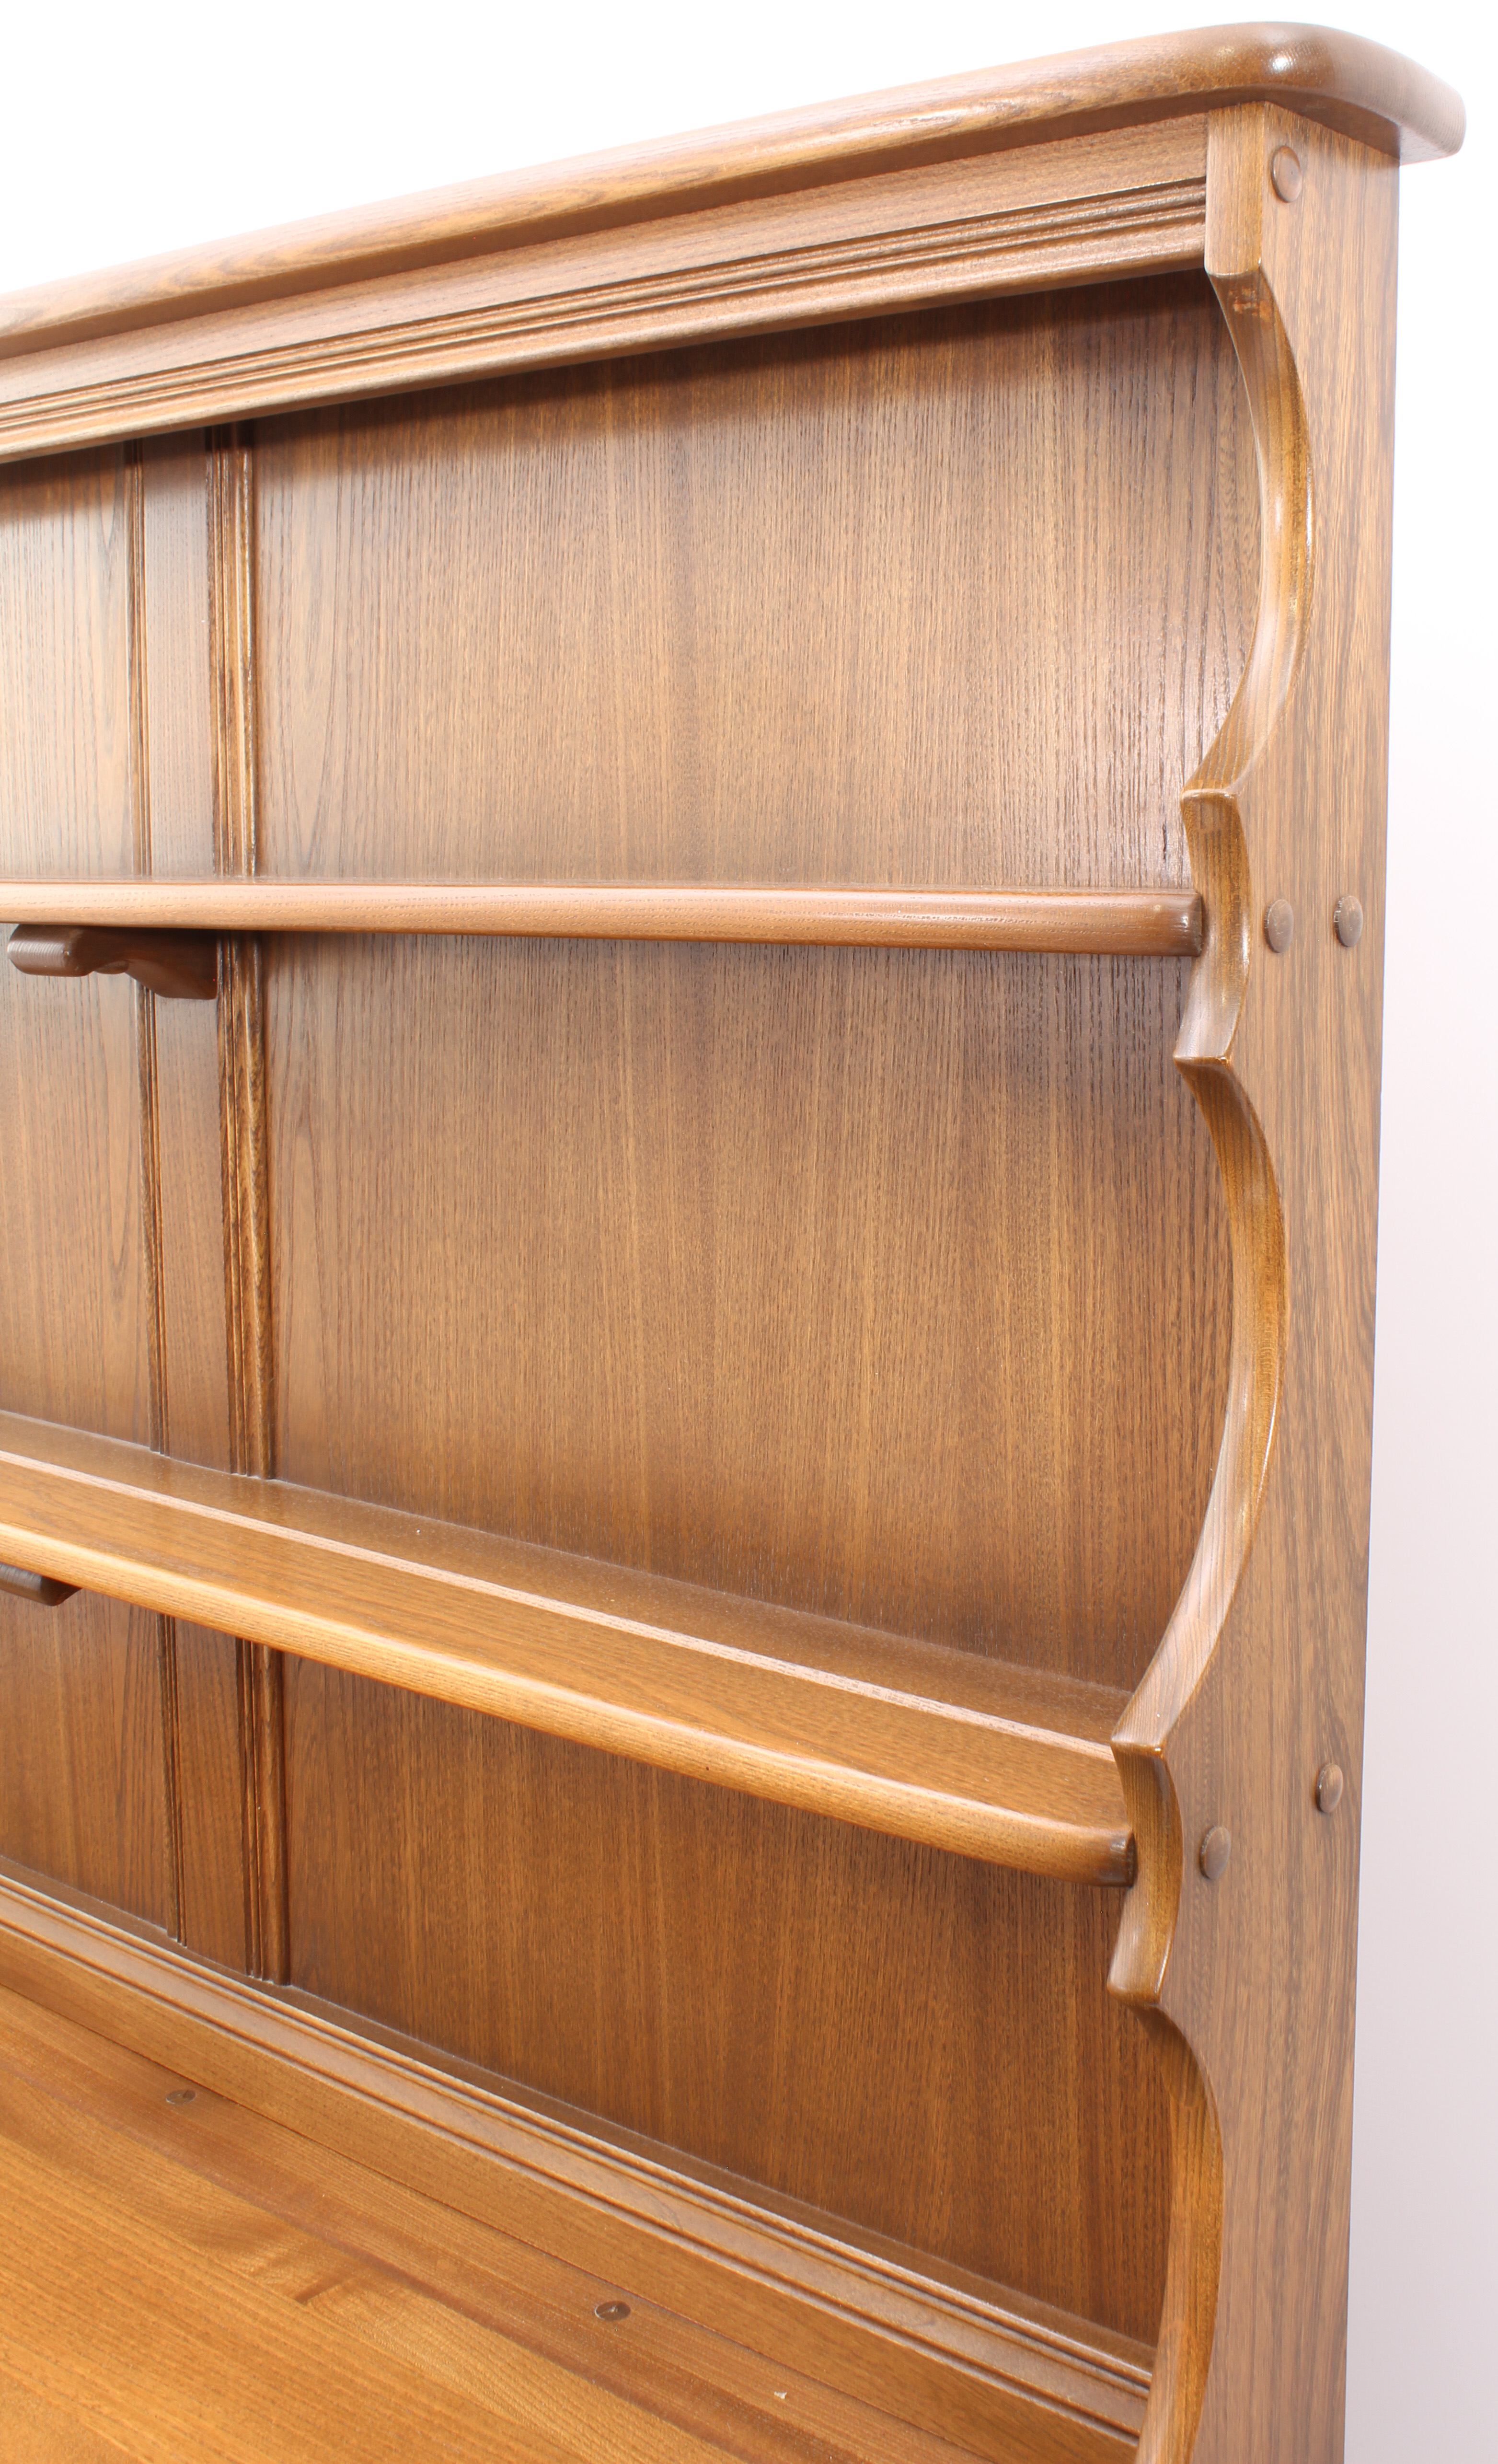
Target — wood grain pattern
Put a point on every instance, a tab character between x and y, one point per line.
820	1180
789	1362
242	1116
1337	79
915	2042
949	2353
241	1028
75	1302
508	2288
781	1272
944	1746
43	1588
181	701
83	1787
154	967
508	2328
353	2359
1115	205
82	1778
1030	176
175	966
71	1093
213	1913
124	917
1259	1676
926	713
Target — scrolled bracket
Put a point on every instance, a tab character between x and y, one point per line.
1212	811
1210	1742
175	966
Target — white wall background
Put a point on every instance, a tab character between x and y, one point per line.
125	134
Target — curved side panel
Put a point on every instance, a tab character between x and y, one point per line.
1243	1961
1188	2316
1220	870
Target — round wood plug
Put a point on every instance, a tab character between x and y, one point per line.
1279	925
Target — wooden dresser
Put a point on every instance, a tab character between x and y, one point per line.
689	1100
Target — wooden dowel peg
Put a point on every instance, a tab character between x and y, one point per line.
1279	925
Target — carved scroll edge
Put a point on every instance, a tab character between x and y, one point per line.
1212	811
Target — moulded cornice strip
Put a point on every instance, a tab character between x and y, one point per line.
1338	79
1121	202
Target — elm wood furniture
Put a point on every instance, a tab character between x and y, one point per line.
717	1531
383	2324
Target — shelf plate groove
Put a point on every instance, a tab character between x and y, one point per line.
948	1747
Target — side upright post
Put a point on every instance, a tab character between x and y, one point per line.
1242	1752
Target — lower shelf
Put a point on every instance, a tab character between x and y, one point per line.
738	2305
945	1747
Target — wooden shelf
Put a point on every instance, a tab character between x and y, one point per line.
1120	923
939	2352
944	1746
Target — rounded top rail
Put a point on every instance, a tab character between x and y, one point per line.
1340	79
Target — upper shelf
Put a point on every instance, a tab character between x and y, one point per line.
1060	170
1123	923
933	1745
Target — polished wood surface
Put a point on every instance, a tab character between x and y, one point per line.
82	1786
810	1151
1236	1714
1337	78
946	2352
176	966
23	1585
692	1435
83	1791
704	1271
1105	923
186	781
1072	169
244	1158
957	1749
1124	201
694	1448
154	2226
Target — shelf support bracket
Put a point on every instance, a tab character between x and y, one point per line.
175	966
